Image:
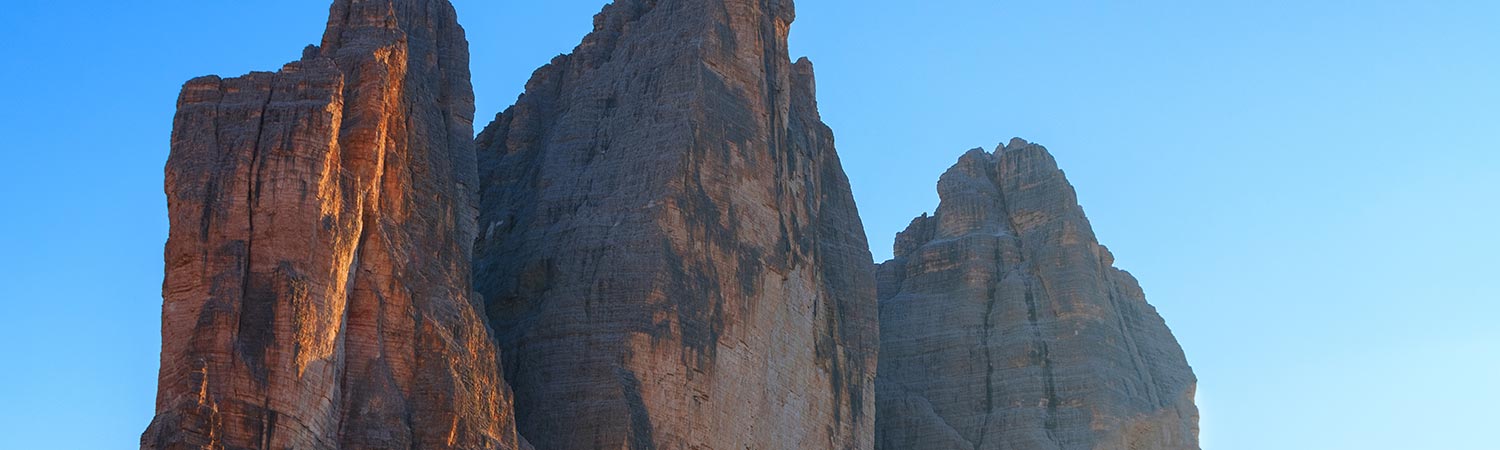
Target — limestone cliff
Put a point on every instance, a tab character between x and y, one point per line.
317	291
669	249
1004	325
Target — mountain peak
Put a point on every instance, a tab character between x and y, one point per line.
992	317
667	198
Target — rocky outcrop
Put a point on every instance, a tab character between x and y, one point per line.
317	290
1004	325
670	253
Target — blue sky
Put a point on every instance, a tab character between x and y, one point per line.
1307	189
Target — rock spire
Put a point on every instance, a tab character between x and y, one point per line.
317	291
1004	325
669	249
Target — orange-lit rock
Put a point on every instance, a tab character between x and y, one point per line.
317	290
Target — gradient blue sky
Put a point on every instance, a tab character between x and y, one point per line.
1306	188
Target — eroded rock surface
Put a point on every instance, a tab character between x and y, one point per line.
1004	325
317	290
669	251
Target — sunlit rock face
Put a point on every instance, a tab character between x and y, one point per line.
317	290
669	250
1004	325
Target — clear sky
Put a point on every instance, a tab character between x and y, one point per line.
1307	189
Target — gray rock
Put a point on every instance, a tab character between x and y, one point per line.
670	252
1004	325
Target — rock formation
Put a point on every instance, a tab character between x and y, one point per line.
317	290
669	250
1004	325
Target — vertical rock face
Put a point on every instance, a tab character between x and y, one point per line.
317	290
669	250
1005	326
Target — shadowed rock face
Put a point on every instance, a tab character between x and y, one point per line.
669	250
1005	326
317	290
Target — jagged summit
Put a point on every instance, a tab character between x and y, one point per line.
666	255
1005	326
